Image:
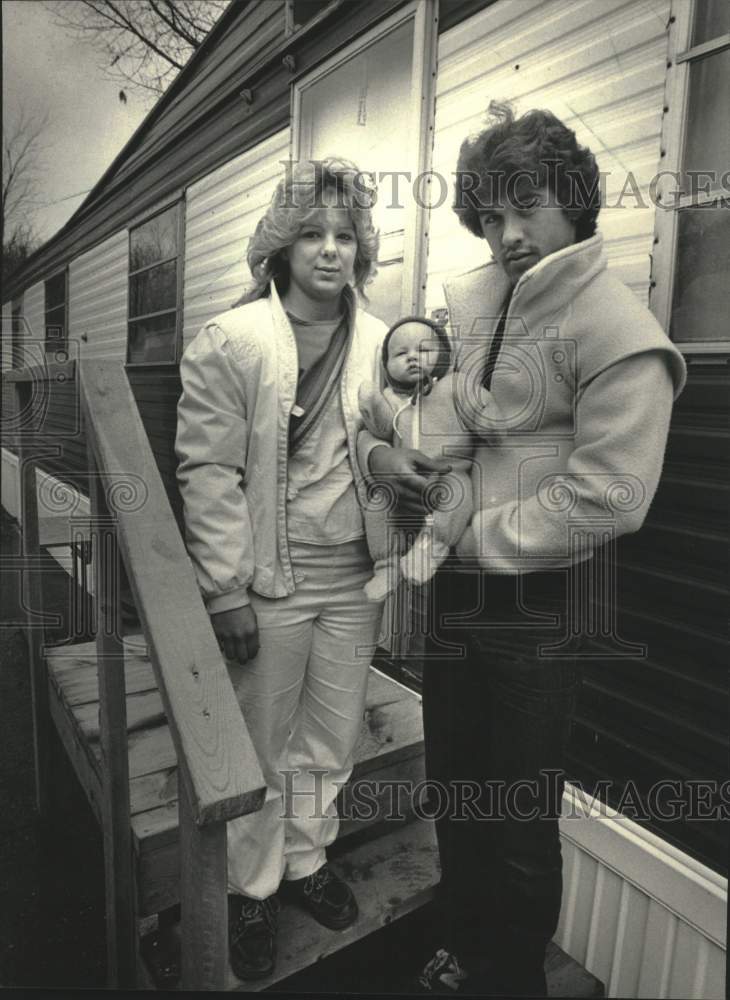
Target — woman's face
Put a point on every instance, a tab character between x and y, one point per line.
322	258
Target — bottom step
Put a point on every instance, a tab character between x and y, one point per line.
390	876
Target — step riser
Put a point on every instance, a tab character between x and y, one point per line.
158	869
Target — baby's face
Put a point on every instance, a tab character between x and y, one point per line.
413	351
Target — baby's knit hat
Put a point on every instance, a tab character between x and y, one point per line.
443	361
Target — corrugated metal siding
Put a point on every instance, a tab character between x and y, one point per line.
222	212
34	303
157	390
62	427
599	67
665	715
98	299
638	917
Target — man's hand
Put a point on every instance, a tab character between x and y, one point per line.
237	633
408	472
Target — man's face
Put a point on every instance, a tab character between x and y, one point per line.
522	231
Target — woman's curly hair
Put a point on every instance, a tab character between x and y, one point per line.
296	197
536	144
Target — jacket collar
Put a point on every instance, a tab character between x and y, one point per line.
556	279
551	284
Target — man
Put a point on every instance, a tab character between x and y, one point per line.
583	379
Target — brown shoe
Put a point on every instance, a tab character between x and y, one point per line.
252	926
329	899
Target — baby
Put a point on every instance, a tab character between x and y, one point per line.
417	409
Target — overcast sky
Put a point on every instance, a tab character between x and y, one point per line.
46	70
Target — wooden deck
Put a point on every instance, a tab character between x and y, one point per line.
393	867
390	744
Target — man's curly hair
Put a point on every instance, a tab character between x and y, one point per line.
538	146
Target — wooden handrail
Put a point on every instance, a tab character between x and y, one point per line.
218	765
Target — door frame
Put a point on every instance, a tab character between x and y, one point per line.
421	112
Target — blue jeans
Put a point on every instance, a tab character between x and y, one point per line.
497	720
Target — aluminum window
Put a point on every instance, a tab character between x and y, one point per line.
155	288
693	219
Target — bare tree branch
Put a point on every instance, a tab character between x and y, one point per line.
168	15
21	171
144	43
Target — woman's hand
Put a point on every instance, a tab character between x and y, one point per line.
237	633
408	471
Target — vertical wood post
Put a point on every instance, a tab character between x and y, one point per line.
121	923
32	592
203	898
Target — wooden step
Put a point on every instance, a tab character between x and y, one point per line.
390	746
391	876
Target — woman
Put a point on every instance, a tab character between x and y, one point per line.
267	423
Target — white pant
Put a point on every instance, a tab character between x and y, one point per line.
303	699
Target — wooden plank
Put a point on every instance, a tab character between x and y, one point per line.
206	724
144	710
154	797
32	590
121	919
158	859
392	732
159	877
392	728
391	876
76	676
203	900
77	750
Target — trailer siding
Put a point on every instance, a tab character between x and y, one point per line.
98	299
34	303
600	68
222	211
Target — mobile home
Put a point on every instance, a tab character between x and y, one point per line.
158	247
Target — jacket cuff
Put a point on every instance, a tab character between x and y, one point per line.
237	598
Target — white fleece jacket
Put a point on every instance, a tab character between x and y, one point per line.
584	387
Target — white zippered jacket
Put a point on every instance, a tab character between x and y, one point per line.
239	378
